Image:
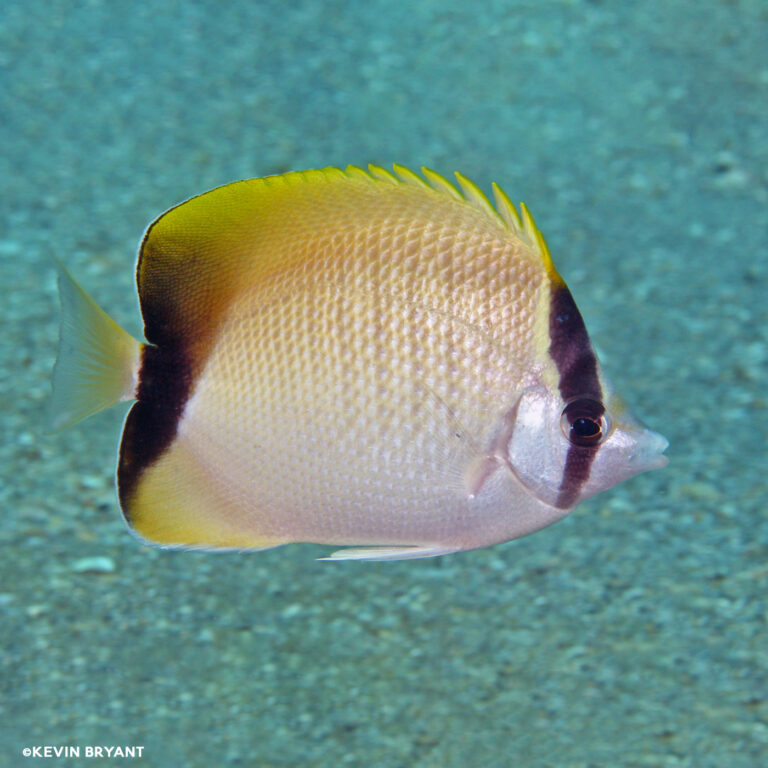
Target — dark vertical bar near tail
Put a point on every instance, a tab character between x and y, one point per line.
165	382
576	363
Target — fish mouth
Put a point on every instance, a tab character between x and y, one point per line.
649	453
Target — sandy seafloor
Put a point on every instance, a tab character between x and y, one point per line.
634	632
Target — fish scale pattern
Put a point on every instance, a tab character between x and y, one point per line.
349	390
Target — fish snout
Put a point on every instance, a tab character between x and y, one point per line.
649	451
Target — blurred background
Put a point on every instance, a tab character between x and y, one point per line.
633	633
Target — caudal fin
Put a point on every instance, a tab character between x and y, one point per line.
97	363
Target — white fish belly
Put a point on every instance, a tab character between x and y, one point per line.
320	420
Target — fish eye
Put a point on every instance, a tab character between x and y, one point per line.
584	422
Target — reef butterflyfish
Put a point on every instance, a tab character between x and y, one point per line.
362	358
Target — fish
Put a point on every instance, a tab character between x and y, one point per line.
376	360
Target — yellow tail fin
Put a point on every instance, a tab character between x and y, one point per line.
98	362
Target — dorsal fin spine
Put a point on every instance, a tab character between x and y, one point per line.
440	183
409	177
506	209
529	226
331	172
382	173
358	173
475	196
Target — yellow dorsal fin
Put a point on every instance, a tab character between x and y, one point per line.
377	172
407	176
474	195
359	173
530	228
330	173
505	208
440	183
504	213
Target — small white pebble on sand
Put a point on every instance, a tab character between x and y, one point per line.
92	481
94	565
10	247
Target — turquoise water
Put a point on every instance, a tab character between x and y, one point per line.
633	633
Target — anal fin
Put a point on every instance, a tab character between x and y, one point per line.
388	553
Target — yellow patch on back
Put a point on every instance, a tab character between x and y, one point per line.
194	257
